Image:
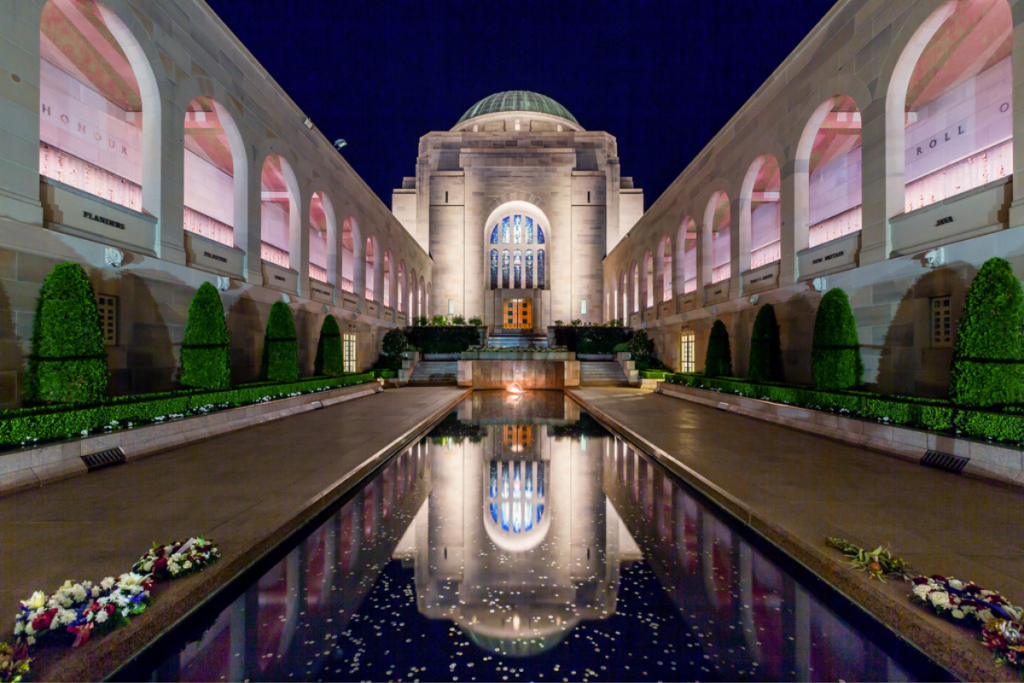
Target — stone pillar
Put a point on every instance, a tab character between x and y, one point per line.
739	242
163	176
1017	60
252	241
298	244
359	267
793	219
882	185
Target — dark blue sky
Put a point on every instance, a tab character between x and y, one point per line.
662	77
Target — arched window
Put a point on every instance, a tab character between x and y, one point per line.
349	239
664	262
541	275
279	212
760	214
516	228
387	279
371	270
212	145
718	227
323	246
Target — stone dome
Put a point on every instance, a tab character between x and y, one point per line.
517	100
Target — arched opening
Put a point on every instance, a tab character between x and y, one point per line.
403	294
389	284
414	295
686	255
213	151
279	213
718	227
373	274
323	240
349	238
95	133
621	304
954	81
423	297
760	214
514	234
426	301
634	288
830	150
647	285
664	264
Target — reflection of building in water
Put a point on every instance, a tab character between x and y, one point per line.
517	490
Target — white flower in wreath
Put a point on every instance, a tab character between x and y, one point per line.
938	598
107	583
131	582
65	617
187	565
922	591
28	629
957	584
30	640
79	593
958	614
173	567
19	628
101	616
148	566
37	600
985	615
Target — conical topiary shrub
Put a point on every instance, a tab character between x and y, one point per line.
835	350
68	363
205	350
765	347
392	346
329	360
989	346
280	349
718	359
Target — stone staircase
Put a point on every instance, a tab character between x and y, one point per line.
435	372
602	374
506	339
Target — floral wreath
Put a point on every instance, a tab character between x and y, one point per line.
178	558
963	602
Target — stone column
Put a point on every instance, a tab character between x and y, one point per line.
793	219
739	242
1017	60
252	241
882	184
298	244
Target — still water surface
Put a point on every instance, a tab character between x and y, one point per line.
522	541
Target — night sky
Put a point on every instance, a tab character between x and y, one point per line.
662	77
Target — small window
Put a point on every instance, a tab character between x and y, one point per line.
107	306
588	198
349	352
476	128
445	197
686	341
583	306
451	306
517	124
942	324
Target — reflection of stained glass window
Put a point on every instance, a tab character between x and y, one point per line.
540	234
494	235
494	479
529	230
529	480
494	268
517	480
504	480
504	230
540	268
494	512
517	229
504	268
528	516
540	481
504	515
529	269
517	517
540	512
517	268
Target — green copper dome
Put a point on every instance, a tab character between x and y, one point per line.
517	100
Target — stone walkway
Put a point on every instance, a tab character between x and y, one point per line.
246	490
796	488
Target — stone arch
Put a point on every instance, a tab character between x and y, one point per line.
351	250
324	252
374	269
279	185
634	291
686	251
760	215
647	282
541	222
663	264
716	234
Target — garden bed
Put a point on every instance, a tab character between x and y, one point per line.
37	425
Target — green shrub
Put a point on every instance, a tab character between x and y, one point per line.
989	349
68	362
476	321
280	348
591	338
385	373
439	321
329	359
835	351
718	359
394	344
447	339
621	347
641	349
458	321
205	351
654	374
765	347
27	426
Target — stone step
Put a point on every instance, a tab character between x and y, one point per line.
602	373
435	372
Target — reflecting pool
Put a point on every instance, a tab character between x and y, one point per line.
522	541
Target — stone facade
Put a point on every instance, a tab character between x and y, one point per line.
503	162
906	261
141	257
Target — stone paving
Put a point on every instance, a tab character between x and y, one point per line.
245	490
797	488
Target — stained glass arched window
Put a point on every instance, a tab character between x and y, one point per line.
504	230
504	268
494	268
540	234
529	268
517	229
540	269
494	235
529	230
517	268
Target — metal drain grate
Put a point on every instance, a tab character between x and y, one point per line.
945	461
107	458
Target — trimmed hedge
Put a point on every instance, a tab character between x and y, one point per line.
718	359
68	362
655	374
206	346
989	351
329	359
31	425
835	350
280	348
447	339
765	347
591	339
933	414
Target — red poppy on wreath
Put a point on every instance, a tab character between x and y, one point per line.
43	621
160	566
